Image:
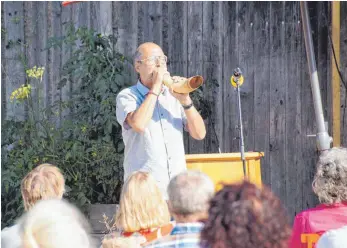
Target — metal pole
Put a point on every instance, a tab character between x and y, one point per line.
236	81
242	145
323	138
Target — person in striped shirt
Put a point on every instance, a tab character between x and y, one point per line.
189	195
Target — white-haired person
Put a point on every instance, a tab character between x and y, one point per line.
55	224
189	195
142	212
43	182
330	185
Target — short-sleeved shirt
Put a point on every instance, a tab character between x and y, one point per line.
316	221
160	148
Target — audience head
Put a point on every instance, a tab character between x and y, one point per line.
54	224
189	195
141	204
330	181
243	215
42	183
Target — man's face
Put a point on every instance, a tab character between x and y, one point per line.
152	58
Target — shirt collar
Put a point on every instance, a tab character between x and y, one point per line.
186	228
144	90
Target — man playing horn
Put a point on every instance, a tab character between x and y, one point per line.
153	116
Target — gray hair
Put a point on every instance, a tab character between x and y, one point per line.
137	56
190	192
330	181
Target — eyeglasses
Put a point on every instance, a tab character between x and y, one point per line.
154	60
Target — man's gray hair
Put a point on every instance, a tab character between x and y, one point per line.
330	181
137	56
190	192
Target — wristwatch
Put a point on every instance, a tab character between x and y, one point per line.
185	107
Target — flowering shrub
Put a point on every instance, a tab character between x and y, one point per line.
86	143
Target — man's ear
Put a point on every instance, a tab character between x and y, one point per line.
137	67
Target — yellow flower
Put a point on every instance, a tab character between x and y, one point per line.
94	154
21	93
35	72
84	129
36	160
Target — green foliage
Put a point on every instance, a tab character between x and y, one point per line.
81	135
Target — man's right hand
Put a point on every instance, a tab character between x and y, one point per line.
158	76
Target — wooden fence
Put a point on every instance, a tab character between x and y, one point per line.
207	38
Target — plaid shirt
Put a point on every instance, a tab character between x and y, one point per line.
183	235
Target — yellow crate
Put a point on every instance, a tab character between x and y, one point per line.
227	167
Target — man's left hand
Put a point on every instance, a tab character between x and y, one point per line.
184	99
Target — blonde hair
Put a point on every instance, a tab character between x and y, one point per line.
43	182
141	205
54	224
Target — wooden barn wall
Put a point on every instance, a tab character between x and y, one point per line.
207	38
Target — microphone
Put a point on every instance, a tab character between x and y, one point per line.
237	78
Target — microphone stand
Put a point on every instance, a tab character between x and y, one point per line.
237	80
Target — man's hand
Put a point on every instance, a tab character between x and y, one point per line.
158	77
184	99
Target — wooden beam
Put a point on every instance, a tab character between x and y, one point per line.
335	79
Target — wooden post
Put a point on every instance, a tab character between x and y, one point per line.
335	79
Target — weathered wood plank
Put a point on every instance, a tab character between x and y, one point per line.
278	87
81	13
261	41
165	27
101	17
142	20
293	163
308	125
177	47
95	15
31	51
40	23
212	58
245	54
155	22
195	50
3	66
127	31
230	117
66	22
14	51
54	59
105	23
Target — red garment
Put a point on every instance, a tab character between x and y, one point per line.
151	234
317	220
